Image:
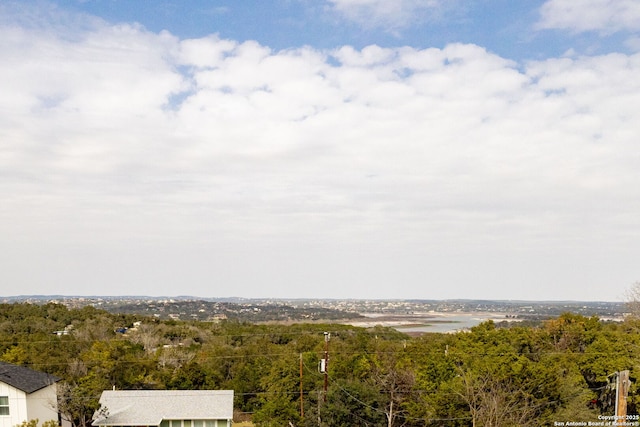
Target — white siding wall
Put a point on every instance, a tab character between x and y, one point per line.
42	405
17	406
39	405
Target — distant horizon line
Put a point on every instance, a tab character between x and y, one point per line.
194	297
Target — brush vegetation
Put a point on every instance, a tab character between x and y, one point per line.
556	371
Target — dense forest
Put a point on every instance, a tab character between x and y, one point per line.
555	371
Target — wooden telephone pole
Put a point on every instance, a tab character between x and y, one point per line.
301	390
622	391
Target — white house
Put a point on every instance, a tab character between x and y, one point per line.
26	395
165	408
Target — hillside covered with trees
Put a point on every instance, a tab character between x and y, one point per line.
556	371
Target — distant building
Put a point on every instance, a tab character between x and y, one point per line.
27	395
165	408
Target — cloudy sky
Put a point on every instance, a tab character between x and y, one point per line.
320	148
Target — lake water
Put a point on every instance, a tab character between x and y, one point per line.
445	325
432	322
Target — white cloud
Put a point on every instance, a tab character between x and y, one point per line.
605	16
351	167
191	51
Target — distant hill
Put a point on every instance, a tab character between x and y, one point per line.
187	307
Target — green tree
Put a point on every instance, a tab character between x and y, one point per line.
280	400
189	377
352	403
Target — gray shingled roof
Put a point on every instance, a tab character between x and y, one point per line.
25	379
150	407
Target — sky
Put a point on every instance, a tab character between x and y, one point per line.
370	149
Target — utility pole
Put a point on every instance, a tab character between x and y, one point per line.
327	335
622	390
301	399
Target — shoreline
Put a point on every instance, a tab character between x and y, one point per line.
430	321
